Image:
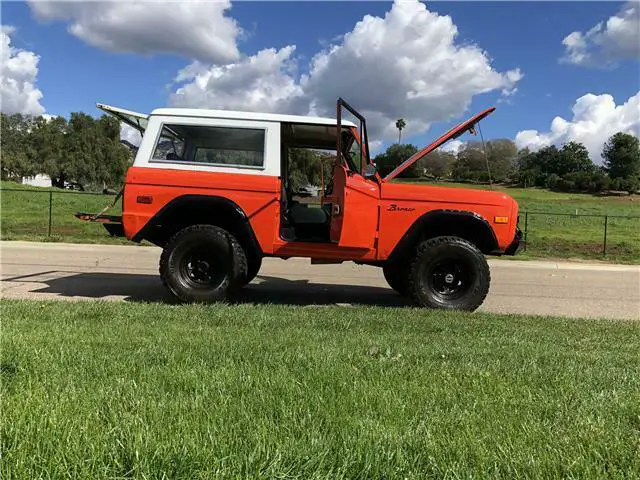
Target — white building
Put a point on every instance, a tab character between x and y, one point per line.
40	180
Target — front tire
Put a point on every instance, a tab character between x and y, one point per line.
449	273
396	277
203	264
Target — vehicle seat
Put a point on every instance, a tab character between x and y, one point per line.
300	213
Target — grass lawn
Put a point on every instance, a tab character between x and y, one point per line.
114	390
25	216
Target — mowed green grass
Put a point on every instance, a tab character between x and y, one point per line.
112	390
25	216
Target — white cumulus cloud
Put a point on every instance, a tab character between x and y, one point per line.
406	64
19	71
195	28
608	42
452	146
595	119
264	82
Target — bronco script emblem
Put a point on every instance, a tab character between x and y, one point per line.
395	208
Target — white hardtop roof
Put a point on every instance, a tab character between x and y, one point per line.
237	115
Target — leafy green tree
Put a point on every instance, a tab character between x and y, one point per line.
631	185
547	166
500	154
527	169
394	156
574	157
16	149
84	150
49	144
308	167
438	164
114	156
621	154
552	181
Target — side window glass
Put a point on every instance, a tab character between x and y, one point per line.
170	146
225	146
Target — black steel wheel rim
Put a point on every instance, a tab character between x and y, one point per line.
448	279
203	269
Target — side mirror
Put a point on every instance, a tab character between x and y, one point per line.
370	171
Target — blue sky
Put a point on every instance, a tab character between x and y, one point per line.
73	74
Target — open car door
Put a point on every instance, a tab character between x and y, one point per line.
466	126
354	213
136	120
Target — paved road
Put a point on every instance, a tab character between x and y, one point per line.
64	271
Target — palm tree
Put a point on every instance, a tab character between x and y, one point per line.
400	124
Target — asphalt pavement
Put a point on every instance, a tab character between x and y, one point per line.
130	273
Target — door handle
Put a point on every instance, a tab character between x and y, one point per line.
335	210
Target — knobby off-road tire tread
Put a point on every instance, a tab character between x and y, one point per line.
430	247
239	259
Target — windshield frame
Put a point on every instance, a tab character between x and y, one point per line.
352	158
344	147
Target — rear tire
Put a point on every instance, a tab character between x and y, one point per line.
396	277
204	264
449	273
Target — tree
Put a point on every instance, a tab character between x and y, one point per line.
574	157
83	150
400	124
394	156
308	167
113	155
49	144
502	154
537	168
438	164
621	154
15	147
473	157
527	168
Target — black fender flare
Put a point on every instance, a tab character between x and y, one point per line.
464	223
201	205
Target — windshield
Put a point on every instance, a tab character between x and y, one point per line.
353	156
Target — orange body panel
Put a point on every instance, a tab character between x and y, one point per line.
356	221
372	219
257	195
401	205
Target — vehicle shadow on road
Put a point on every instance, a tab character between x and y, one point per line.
263	290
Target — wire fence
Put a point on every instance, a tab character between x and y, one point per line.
49	215
582	235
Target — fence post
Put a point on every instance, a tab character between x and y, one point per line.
526	229
604	243
50	207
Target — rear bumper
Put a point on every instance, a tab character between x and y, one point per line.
516	245
112	223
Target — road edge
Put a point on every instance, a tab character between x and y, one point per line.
511	263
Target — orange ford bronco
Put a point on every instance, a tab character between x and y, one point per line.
213	188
